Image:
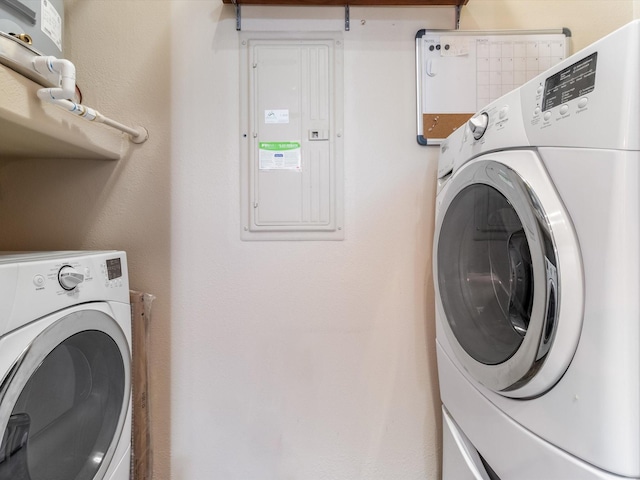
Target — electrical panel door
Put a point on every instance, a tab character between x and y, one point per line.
292	139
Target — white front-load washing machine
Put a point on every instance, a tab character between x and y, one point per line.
537	276
65	330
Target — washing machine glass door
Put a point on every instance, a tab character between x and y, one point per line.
496	275
65	401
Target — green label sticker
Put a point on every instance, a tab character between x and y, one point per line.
279	146
280	156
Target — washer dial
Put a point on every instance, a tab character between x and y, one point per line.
69	278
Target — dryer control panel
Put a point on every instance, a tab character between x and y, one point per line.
572	82
41	283
589	100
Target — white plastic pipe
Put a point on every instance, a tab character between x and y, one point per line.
63	72
93	115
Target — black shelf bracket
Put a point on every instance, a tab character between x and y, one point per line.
238	15
347	20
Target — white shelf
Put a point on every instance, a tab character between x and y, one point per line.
31	129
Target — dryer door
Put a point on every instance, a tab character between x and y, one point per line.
498	272
64	402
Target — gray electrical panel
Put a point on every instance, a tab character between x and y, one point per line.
292	173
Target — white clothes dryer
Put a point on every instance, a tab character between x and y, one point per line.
537	275
65	389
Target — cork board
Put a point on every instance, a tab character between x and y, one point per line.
459	72
441	125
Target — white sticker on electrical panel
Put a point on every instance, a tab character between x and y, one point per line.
51	23
280	156
276	116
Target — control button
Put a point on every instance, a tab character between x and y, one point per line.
564	109
583	102
539	91
537	111
478	125
69	278
503	112
38	281
547	115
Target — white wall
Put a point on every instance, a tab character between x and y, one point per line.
275	360
588	20
317	358
303	360
122	52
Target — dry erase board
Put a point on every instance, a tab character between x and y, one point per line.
459	72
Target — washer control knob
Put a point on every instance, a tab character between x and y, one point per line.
478	125
69	277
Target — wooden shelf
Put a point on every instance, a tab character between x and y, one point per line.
30	129
421	3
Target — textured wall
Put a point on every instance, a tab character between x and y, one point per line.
303	360
588	20
122	53
280	360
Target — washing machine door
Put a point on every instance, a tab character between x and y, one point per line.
64	402
497	268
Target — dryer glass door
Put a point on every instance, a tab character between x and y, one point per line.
64	400
496	275
485	268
